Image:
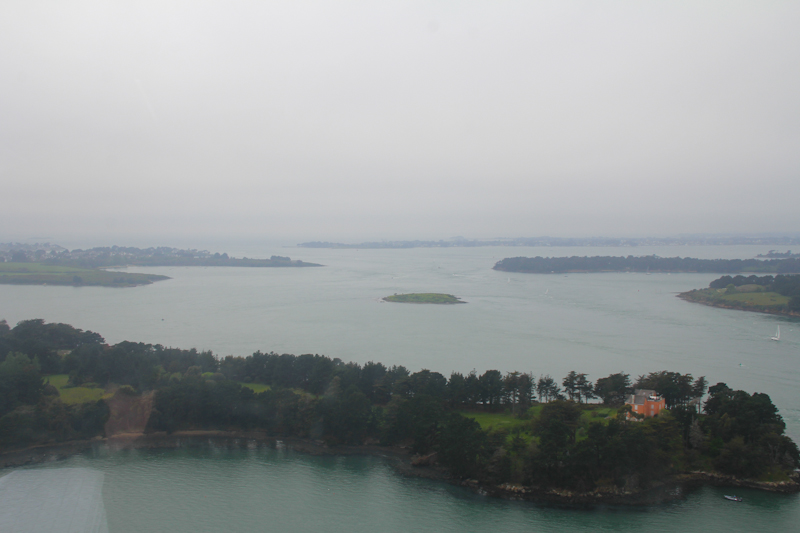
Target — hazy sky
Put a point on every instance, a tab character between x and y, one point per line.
347	121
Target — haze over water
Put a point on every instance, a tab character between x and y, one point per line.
313	120
545	324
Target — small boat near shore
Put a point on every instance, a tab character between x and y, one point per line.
733	498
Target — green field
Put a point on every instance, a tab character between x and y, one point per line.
494	421
39	274
424	298
75	395
256	387
745	300
491	422
756	298
261	387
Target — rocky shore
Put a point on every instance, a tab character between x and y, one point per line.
401	460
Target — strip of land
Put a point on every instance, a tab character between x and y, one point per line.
53	265
650	263
506	435
121	256
39	274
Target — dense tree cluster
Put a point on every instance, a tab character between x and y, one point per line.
560	439
648	263
43	341
744	433
30	411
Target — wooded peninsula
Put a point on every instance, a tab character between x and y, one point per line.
649	263
510	434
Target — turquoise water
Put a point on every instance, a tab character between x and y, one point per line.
551	324
263	489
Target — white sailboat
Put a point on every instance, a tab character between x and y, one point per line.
777	336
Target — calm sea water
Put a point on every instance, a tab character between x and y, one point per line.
260	489
545	324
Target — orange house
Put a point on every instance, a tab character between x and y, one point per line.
646	402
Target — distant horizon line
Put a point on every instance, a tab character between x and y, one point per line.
710	239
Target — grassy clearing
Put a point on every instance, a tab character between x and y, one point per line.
256	387
38	268
75	395
490	422
39	274
599	413
495	421
766	302
261	387
58	381
756	298
424	298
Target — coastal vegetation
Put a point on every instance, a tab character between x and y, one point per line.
54	265
766	294
71	394
424	298
41	274
514	429
649	263
120	256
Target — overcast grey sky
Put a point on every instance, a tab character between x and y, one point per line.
358	120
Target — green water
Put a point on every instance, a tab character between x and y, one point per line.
241	489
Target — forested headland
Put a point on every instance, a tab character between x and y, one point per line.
59	383
648	263
766	294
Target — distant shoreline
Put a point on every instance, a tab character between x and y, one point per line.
93	270
644	264
544	242
54	256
